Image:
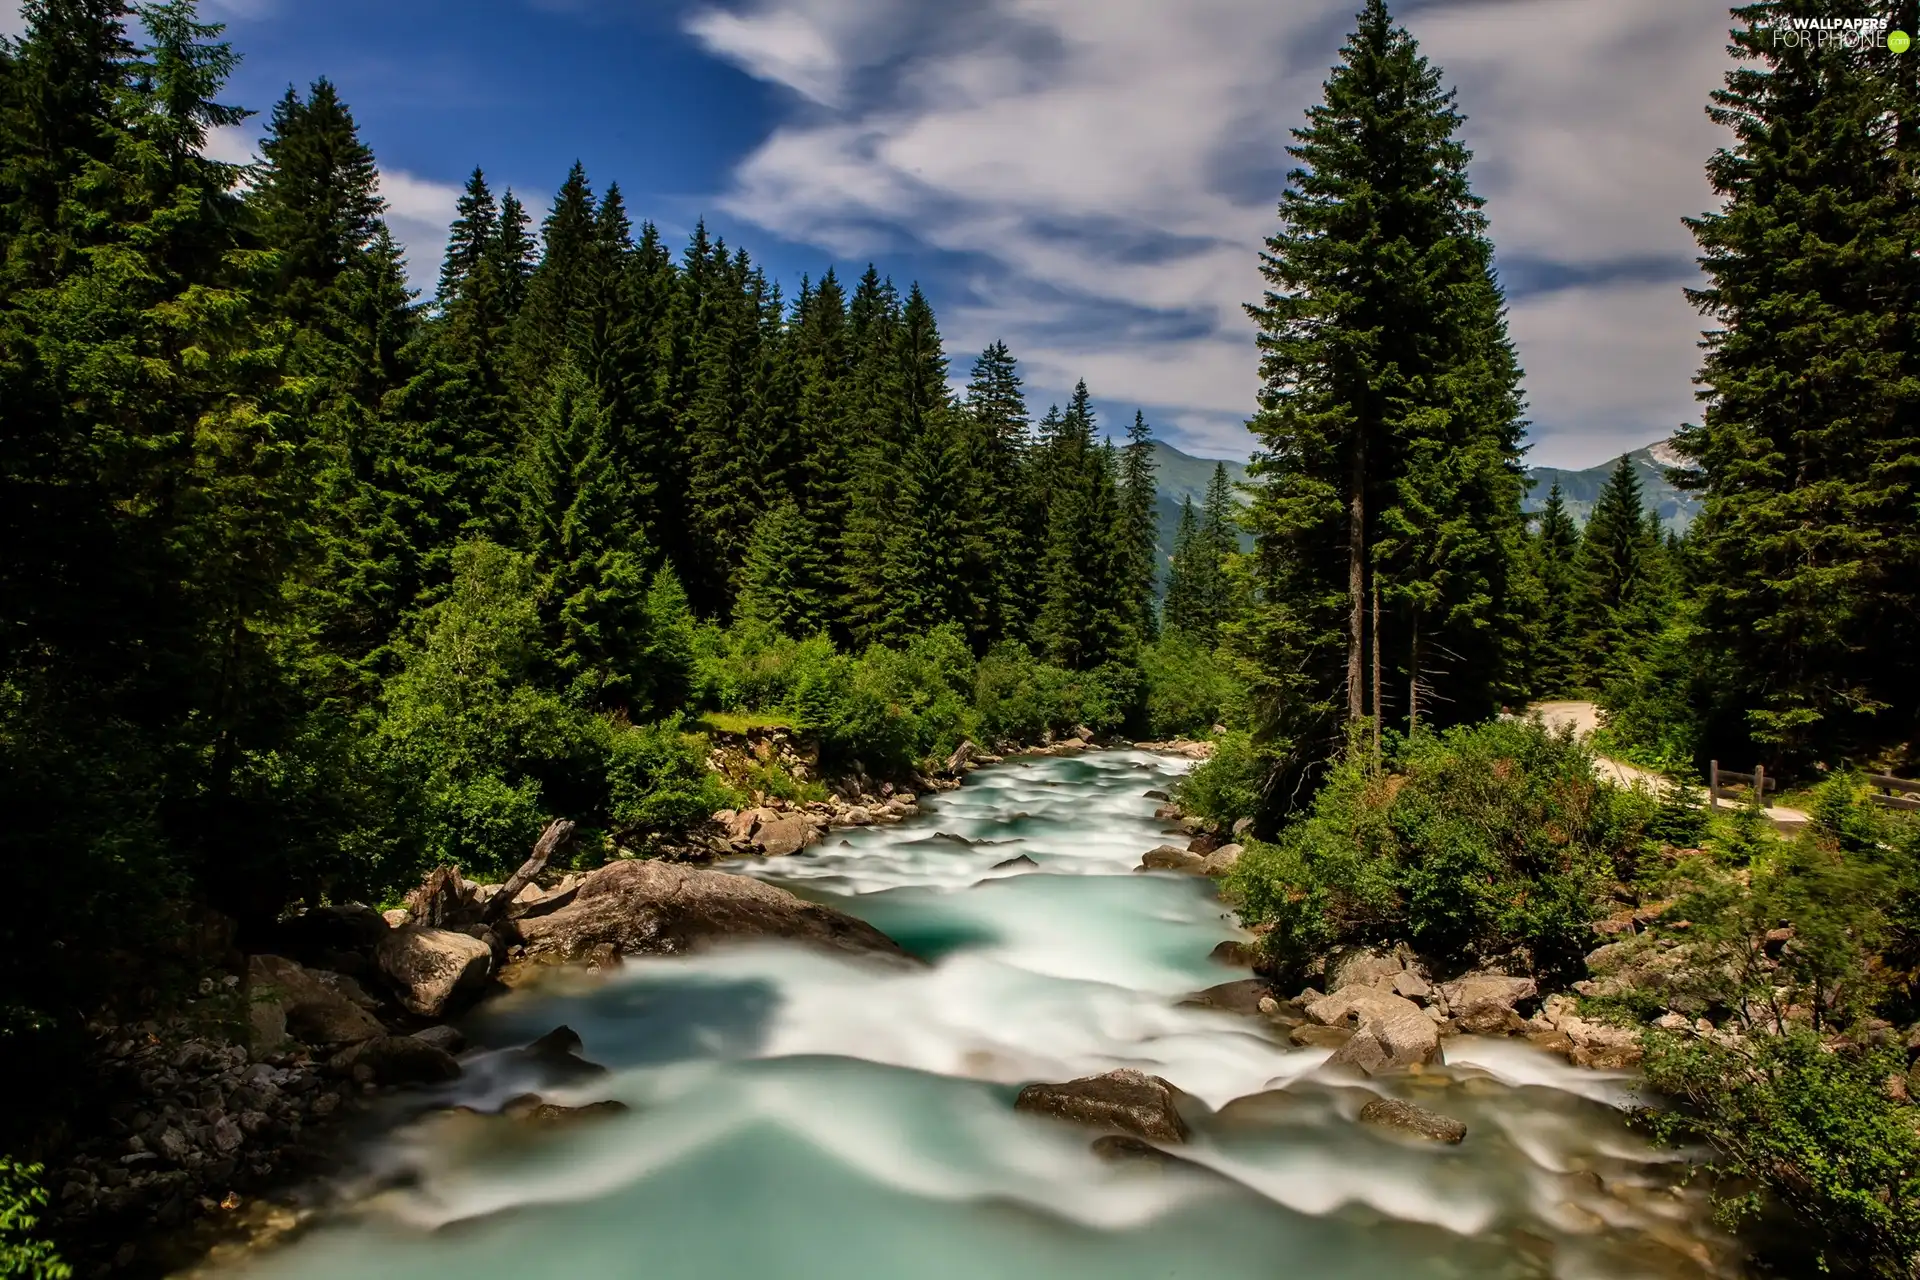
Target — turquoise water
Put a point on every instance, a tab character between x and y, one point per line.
796	1115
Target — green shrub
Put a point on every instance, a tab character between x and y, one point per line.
1811	1129
1189	689
23	1255
1473	844
657	778
1227	785
1019	698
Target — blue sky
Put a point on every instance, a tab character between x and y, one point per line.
1088	179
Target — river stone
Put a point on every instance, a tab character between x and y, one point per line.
1127	1100
1248	996
1390	1032
1018	860
1483	1002
1360	967
1235	955
781	834
396	1060
1169	857
434	971
532	1109
648	907
442	1037
1314	1036
1222	860
300	1002
1404	1117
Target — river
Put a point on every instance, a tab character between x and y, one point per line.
798	1116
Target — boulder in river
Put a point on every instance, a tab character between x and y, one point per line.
1222	860
532	1109
1170	857
647	907
1127	1100
396	1060
1404	1117
1484	1002
1245	996
434	972
1390	1033
1018	860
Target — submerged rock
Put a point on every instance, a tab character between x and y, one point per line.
1404	1117
532	1109
646	907
1018	860
1248	996
1127	1100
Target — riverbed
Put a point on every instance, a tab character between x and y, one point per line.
800	1116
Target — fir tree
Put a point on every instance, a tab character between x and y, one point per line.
1138	531
1806	451
1387	498
1184	611
317	197
783	580
1556	641
1618	597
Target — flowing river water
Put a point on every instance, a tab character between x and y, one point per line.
799	1116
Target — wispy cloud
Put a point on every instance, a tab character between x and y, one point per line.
1103	171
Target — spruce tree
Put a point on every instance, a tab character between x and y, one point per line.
1557	660
1806	450
316	198
558	290
1138	531
1184	612
1618	597
1219	539
592	562
1386	507
783	581
998	446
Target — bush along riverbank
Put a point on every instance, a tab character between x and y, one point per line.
1484	881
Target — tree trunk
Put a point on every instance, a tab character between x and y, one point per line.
1357	583
1413	679
1379	711
557	834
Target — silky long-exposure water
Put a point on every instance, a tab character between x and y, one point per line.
798	1116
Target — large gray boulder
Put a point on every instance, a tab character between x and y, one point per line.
1483	1003
781	834
1125	1100
434	972
647	907
1390	1033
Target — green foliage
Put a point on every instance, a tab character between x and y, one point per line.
1190	688
1387	489
1476	843
1227	786
657	778
1805	453
23	1255
1812	1129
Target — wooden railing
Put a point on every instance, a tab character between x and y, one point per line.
1758	780
1894	793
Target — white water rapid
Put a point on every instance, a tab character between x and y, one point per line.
797	1116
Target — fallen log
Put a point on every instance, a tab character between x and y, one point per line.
558	834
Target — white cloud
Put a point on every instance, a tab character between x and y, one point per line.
419	211
1108	167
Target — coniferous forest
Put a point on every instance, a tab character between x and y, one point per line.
311	584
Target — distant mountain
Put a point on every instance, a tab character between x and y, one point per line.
1181	475
1581	489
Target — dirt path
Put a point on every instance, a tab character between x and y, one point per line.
1585	718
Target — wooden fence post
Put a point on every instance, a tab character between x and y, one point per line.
1760	785
1713	785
